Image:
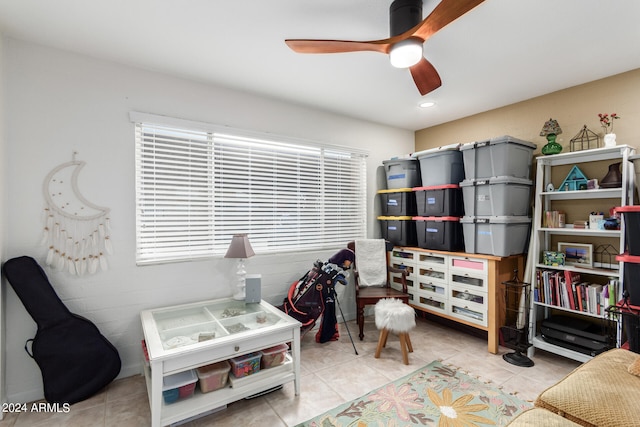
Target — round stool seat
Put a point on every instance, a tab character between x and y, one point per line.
394	315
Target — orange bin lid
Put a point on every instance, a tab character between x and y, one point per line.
436	187
628	209
438	218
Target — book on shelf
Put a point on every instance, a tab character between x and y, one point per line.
555	286
594	291
570	279
567	290
613	289
582	296
574	291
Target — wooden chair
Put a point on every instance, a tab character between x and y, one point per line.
371	294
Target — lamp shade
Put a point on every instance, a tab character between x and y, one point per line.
240	247
406	53
551	127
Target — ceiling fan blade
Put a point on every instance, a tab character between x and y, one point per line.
338	46
445	13
425	76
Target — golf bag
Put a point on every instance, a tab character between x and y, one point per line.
314	295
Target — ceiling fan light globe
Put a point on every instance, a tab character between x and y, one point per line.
406	53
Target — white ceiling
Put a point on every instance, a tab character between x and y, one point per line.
501	52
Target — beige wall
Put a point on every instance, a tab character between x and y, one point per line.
572	107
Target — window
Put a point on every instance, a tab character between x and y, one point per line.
198	184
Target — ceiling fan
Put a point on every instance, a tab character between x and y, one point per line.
408	34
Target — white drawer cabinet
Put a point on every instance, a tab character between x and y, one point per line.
432	259
468	264
431	282
433	303
468	304
472	281
465	288
452	285
428	273
406	260
432	287
468	295
461	294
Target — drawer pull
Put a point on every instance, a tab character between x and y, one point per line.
237	348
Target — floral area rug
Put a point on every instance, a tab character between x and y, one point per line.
434	395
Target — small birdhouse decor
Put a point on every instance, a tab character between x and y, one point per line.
575	180
585	140
604	256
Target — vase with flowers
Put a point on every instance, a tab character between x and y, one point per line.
606	121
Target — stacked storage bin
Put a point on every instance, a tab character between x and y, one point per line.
179	386
439	199
213	377
496	195
631	273
398	201
631	257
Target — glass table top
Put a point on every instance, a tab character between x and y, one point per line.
187	325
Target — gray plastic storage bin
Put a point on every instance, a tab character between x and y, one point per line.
499	196
496	235
500	156
441	166
402	173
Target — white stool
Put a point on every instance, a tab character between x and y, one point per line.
392	315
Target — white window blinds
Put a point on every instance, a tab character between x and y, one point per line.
195	188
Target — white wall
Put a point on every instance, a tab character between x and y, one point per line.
3	209
58	102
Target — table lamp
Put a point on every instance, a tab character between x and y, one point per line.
551	129
240	248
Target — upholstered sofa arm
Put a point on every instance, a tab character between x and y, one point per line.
538	417
600	392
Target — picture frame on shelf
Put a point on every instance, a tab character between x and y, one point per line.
578	254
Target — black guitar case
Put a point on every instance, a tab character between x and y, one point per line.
75	359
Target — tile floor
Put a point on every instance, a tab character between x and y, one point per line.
331	374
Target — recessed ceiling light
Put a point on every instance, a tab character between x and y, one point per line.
427	104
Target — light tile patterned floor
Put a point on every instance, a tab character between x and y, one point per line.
331	374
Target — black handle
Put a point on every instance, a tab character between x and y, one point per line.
26	347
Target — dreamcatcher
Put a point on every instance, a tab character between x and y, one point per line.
76	232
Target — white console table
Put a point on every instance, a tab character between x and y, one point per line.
172	339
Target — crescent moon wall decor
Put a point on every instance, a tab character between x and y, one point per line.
76	231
